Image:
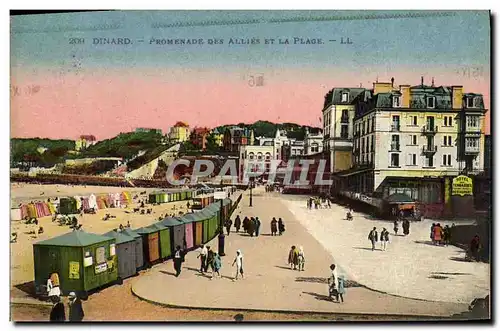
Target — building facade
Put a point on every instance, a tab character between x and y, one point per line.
313	142
236	137
198	137
414	140
256	159
292	150
84	142
218	137
338	122
179	132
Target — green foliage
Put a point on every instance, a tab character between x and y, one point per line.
22	150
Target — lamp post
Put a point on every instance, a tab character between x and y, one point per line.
251	197
221	228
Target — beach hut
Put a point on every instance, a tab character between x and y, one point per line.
150	244
139	255
177	232
201	226
93	202
190	221
152	197
15	214
125	252
165	242
67	206
84	261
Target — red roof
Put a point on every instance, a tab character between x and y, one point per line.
181	124
88	137
201	130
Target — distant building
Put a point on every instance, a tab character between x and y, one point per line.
293	149
313	142
84	142
199	137
236	137
279	140
139	130
179	132
218	137
255	159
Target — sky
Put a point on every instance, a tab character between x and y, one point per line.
65	82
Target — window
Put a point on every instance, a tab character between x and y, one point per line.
446	121
449	141
431	102
314	148
447	159
259	156
473	102
429	161
477	102
251	156
472	121
345	116
470	102
394	160
396	101
413	120
345	96
362	145
413	139
268	156
373	124
368	126
344	131
412	159
395	143
395	123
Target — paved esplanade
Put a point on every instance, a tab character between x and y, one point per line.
269	284
410	267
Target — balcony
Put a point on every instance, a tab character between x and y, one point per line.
395	148
471	150
395	127
429	149
429	129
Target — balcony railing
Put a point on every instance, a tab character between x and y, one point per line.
395	127
395	148
429	129
429	149
471	150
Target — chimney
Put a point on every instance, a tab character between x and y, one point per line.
456	96
392	82
422	80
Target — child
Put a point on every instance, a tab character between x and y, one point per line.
340	289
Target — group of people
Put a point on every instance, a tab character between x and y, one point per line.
251	225
209	258
318	203
58	313
374	238
440	235
296	258
406	227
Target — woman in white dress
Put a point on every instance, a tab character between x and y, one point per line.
238	260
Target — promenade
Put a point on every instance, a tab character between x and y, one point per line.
269	284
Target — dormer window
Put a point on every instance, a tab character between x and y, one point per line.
431	102
473	102
396	101
345	96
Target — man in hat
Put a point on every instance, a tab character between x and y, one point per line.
75	308
57	314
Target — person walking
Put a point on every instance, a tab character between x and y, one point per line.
432	233
438	234
178	259
76	313
396	227
384	239
251	226
406	227
293	258
203	259
274	227
211	260
238	260
373	237
237	223
246	222
217	265
446	235
57	313
341	289
301	258
475	247
257	226
53	288
281	226
228	225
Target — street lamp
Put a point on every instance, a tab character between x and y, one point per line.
251	186
221	228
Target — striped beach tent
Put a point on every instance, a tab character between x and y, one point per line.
24	211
